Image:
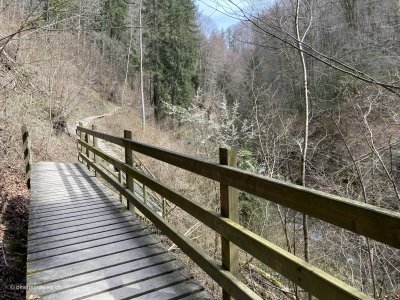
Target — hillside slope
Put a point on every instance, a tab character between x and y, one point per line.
49	82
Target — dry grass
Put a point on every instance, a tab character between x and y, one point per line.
45	84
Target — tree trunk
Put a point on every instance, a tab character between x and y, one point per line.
306	126
141	67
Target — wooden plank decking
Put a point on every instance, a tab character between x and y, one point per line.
83	244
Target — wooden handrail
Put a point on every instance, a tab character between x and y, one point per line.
312	279
229	282
380	224
376	223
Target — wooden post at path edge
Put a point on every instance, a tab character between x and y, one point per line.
129	161
27	155
229	209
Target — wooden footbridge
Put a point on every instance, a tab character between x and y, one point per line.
85	244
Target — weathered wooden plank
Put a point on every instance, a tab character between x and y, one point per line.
66	199
77	223
60	194
70	180
71	190
85	236
70	212
87	254
46	222
39	236
81	232
81	284
66	202
87	214
57	198
142	288
76	247
100	264
115	282
87	243
184	290
63	184
199	295
377	223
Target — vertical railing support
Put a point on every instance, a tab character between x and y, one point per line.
81	137
121	181
96	145
144	194
87	150
229	209
164	203
129	161
27	155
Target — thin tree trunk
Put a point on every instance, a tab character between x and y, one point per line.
127	68
141	67
306	126
79	26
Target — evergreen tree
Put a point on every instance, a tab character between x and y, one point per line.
114	15
172	51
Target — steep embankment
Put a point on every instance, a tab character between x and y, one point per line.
49	82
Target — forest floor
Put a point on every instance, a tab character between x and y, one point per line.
14	203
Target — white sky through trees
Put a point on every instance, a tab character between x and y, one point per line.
225	13
206	8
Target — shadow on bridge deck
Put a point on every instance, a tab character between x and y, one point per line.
83	244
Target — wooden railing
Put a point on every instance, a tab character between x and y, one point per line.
155	201
367	220
26	144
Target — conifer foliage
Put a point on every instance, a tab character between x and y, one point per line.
171	38
114	15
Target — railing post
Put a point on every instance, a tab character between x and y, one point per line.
87	149
96	145
121	181
27	155
144	194
81	137
129	161
229	209
163	207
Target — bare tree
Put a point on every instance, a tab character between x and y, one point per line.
300	41
141	67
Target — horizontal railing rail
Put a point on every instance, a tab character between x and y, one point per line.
157	203
376	223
